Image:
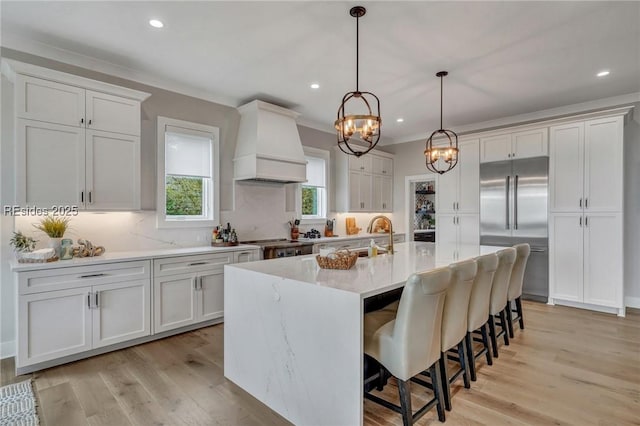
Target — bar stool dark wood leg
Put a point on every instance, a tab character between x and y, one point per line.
405	402
446	387
492	333
509	319
464	363
503	321
436	379
471	359
484	330
519	309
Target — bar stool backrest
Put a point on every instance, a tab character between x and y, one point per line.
416	333
481	291
517	275
456	305
506	259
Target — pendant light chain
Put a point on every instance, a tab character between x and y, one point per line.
441	89
357	54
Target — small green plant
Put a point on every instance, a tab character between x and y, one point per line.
22	243
53	226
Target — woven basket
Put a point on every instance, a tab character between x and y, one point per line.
341	259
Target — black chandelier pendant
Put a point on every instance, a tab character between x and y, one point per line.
366	123
444	157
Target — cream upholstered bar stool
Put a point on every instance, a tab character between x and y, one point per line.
477	319
407	341
498	301
514	294
454	325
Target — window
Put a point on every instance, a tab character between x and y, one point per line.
188	174
313	193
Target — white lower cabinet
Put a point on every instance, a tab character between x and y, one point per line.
184	297
586	259
95	310
458	228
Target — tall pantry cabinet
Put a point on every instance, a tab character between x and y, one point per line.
586	214
77	140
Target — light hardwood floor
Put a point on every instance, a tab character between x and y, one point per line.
569	367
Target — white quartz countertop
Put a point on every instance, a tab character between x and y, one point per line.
119	256
348	237
369	276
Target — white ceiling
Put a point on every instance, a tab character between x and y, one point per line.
504	58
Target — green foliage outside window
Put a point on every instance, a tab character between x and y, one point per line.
309	200
184	196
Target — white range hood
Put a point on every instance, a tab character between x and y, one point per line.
268	146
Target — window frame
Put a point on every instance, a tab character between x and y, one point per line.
326	156
211	192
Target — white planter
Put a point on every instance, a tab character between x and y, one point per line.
55	243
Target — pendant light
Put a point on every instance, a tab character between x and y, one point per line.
441	159
358	119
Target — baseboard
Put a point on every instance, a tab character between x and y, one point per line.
632	302
7	349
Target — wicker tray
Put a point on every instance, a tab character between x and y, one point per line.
227	244
341	259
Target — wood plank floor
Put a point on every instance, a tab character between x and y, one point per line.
569	367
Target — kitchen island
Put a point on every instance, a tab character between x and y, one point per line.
293	331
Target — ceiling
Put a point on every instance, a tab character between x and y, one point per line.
504	58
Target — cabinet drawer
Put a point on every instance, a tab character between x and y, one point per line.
189	264
80	276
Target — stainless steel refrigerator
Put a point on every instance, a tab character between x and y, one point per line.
513	209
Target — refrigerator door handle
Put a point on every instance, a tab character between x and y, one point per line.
507	184
515	203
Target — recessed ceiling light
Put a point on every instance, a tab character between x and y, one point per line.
156	23
603	73
315	86
400	120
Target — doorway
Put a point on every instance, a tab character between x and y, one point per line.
420	207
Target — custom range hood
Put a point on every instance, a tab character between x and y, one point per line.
268	146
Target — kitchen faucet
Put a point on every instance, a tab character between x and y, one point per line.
370	230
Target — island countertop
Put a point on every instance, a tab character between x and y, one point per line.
369	276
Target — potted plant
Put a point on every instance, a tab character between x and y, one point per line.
54	227
22	244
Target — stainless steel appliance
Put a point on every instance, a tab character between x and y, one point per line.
272	249
513	210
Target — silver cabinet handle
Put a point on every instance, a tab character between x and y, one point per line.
454	205
195	283
537	250
515	203
507	185
580	221
82	121
458	205
454	220
586	203
89	300
200	280
82	196
97	299
580	202
89	121
197	263
586	221
90	198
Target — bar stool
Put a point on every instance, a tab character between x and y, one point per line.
454	325
408	341
498	301
479	310
515	286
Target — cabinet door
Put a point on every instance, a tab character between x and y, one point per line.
566	256
49	164
603	259
122	312
447	191
112	113
53	324
532	143
447	228
366	181
210	295
468	229
603	165
381	193
355	203
495	148
382	165
113	171
174	302
566	168
44	100
246	256
361	164
469	180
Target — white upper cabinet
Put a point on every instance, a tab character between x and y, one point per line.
523	144
77	141
44	100
363	184
585	166
458	190
112	113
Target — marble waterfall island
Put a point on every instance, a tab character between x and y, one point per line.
293	331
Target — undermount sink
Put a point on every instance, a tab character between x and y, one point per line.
365	252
